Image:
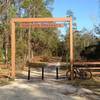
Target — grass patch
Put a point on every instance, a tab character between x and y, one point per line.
91	84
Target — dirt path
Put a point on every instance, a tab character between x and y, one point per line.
22	89
48	89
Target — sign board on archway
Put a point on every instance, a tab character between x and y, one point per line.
38	20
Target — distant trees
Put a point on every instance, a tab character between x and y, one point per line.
91	50
7	11
33	42
70	13
40	41
82	39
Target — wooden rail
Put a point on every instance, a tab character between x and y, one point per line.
93	66
87	63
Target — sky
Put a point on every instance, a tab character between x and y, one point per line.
86	11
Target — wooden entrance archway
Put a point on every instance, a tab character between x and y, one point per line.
31	20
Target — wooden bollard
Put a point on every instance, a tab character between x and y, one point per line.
42	73
29	73
57	76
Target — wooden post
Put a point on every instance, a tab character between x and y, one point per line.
13	49
57	73
43	73
28	72
29	44
71	48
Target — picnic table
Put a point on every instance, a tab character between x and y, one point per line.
42	65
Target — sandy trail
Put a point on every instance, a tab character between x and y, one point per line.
49	89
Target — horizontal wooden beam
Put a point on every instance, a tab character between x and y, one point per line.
87	63
41	19
40	25
96	73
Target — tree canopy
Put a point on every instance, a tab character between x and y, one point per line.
36	42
